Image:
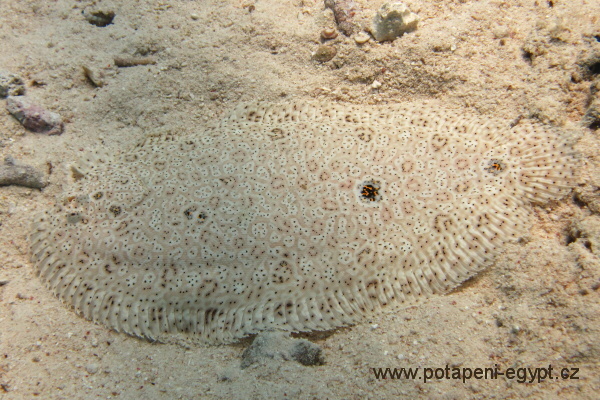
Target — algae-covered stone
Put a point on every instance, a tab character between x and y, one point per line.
12	173
33	117
280	347
324	53
393	20
11	85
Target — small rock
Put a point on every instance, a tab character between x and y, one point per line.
393	20
91	368
95	76
362	38
324	53
132	61
279	346
10	85
33	117
20	175
307	353
443	43
195	17
328	33
376	85
100	18
500	32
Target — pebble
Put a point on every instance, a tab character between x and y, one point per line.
95	76
376	85
195	17
393	20
100	18
11	85
307	353
328	34
131	61
280	347
324	53
362	38
91	368
500	32
33	117
20	175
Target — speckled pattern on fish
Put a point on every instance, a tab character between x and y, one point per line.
300	216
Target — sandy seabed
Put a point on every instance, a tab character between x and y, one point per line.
537	306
